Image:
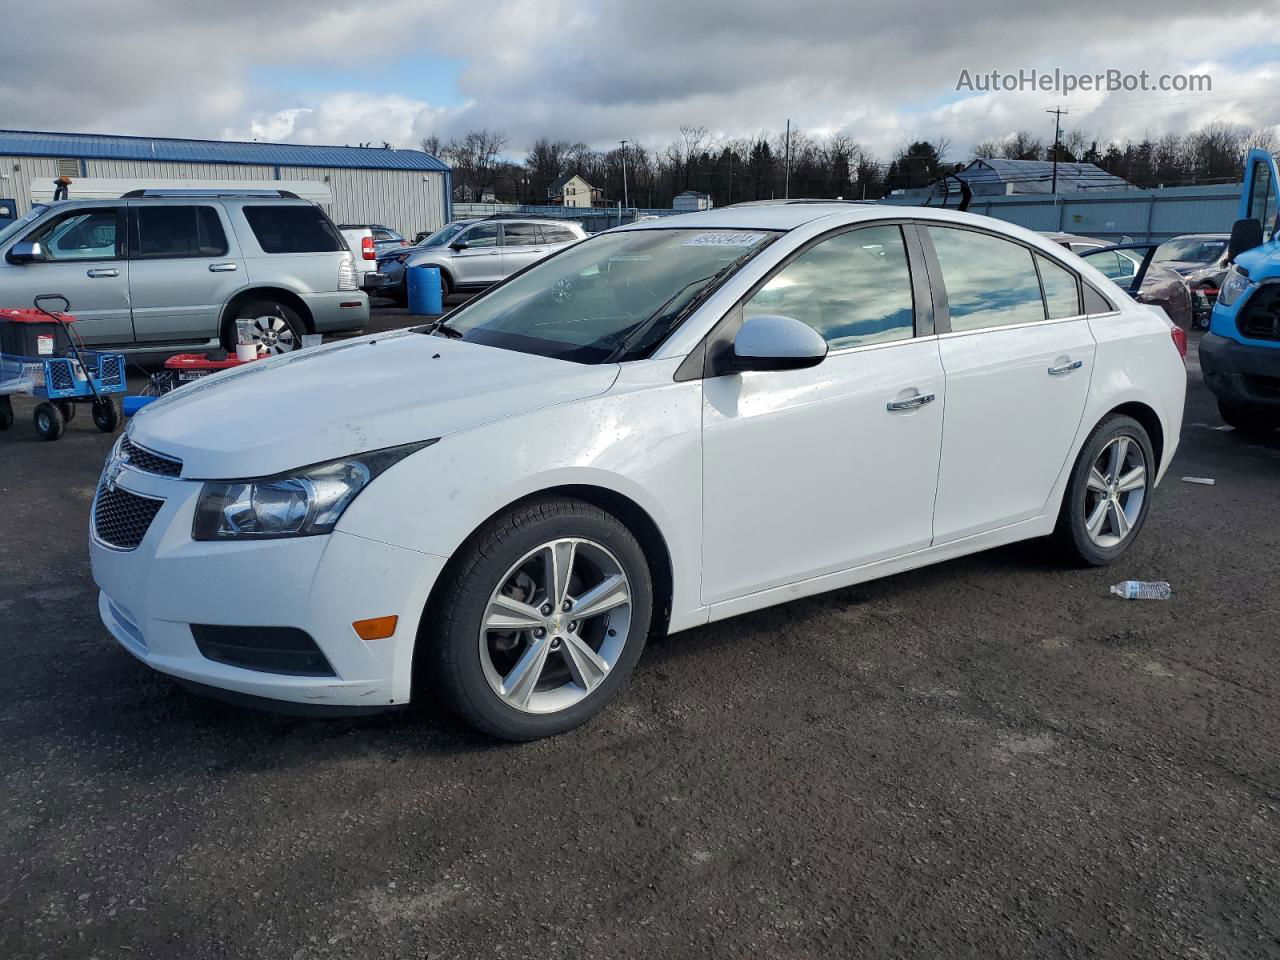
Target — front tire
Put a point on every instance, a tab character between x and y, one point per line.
6	413
1108	494
1249	420
542	618
48	420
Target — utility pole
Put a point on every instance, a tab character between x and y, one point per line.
786	185
625	199
1057	134
730	202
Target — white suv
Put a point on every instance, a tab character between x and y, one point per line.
474	254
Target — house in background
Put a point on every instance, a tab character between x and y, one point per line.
691	201
572	191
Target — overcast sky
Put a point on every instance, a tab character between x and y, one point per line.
315	71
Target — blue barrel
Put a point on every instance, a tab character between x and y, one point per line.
133	404
425	296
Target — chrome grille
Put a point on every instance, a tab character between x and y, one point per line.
121	518
145	460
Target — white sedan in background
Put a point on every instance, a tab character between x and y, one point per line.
663	425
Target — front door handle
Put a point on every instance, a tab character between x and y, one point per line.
911	403
1065	368
221	267
103	272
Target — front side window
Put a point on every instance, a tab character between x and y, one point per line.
1061	292
1262	199
991	282
80	235
854	289
521	235
610	298
166	232
485	236
292	228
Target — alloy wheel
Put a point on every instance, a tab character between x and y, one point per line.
555	625
272	334
1117	487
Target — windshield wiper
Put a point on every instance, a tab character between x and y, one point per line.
443	328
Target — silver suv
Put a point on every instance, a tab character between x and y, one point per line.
474	254
154	271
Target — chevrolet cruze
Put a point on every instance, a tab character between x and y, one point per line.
664	425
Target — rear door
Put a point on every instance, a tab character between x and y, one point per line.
480	261
84	261
1018	356
184	266
522	244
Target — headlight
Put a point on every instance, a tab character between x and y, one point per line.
301	503
1237	283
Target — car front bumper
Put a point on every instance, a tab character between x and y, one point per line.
150	597
1241	374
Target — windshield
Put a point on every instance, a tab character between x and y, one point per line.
611	297
443	235
1190	249
17	226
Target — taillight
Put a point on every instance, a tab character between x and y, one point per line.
367	249
1180	341
347	279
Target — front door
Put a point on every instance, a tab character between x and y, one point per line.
480	262
83	260
813	471
185	266
1018	362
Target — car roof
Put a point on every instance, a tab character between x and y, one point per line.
1202	236
789	216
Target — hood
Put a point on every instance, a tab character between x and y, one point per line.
1260	262
1185	267
351	397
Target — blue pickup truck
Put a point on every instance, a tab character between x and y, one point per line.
1240	355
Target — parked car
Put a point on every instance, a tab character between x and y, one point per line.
364	248
385	239
1240	355
660	426
1131	267
154	271
474	254
1201	259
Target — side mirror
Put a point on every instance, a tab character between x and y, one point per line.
1245	235
458	245
776	343
26	253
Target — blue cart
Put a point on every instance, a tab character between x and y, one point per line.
63	382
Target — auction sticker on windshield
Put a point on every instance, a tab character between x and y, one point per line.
724	238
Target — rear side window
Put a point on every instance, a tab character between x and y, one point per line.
292	229
854	289
1061	292
991	282
559	234
165	232
1094	302
521	235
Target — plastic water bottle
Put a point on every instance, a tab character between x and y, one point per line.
1143	590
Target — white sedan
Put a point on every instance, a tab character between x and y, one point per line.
664	425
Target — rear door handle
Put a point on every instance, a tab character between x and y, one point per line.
221	267
911	403
103	272
1065	368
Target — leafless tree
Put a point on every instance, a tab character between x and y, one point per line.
432	144
475	157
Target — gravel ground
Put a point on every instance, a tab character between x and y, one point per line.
989	758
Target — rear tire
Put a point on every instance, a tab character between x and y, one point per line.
106	414
1108	494
1252	421
48	421
6	413
277	327
68	409
502	569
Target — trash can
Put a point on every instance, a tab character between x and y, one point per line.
425	296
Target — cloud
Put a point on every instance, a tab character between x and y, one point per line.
599	72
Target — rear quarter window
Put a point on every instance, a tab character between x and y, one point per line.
283	228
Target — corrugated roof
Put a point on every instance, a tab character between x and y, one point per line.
93	146
994	169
